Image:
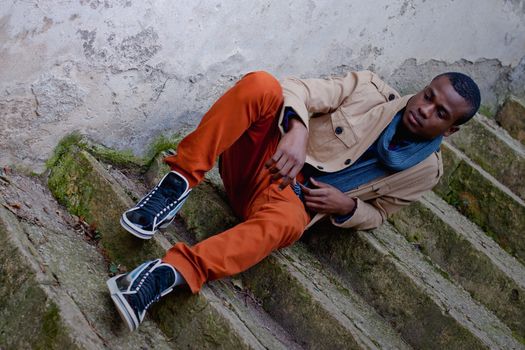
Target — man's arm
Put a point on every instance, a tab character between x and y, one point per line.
304	97
373	213
327	199
313	96
290	155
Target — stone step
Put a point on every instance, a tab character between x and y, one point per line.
319	312
203	320
52	281
468	256
428	310
484	200
511	117
488	145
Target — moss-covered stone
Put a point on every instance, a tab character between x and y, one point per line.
495	156
197	323
124	158
163	143
511	116
107	155
473	269
157	168
206	213
83	185
475	196
375	276
80	183
295	307
28	317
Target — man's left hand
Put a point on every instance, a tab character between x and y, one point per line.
290	155
327	199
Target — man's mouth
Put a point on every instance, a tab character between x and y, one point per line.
413	120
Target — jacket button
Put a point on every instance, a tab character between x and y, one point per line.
320	167
391	97
348	161
338	130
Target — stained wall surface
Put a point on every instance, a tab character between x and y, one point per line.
126	71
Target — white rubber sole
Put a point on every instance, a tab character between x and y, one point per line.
137	232
124	309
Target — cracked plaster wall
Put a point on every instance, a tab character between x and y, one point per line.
124	71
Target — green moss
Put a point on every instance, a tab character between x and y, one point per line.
487	111
519	338
124	158
51	327
162	143
65	182
63	147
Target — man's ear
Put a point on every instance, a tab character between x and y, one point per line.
451	130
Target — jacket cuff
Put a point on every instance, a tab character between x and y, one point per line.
289	114
365	217
299	110
339	219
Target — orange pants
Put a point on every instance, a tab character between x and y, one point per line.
241	127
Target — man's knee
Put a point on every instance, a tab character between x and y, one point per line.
294	224
261	84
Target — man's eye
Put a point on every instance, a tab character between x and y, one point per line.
441	114
427	97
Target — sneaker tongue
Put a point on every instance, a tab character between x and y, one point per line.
174	185
153	286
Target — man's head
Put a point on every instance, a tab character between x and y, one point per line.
450	100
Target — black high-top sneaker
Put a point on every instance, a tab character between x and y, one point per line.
157	209
134	292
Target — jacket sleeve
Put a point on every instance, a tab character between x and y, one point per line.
374	212
312	96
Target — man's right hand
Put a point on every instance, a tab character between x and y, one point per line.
290	155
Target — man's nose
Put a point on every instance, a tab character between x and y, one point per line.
426	110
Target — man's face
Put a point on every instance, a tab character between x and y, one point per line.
434	110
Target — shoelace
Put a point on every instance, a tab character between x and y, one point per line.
150	288
160	201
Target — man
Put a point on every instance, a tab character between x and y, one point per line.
349	148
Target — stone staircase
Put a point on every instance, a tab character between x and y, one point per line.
446	272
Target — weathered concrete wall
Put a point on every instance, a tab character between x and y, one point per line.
124	71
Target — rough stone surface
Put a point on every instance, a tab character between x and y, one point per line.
468	256
511	116
87	188
53	279
313	306
427	309
489	147
477	195
125	71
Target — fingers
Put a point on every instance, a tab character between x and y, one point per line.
319	183
280	165
273	159
284	170
318	207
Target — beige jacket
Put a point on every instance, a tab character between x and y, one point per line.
344	116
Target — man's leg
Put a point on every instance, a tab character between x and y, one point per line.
243	124
273	218
245	111
243	115
276	219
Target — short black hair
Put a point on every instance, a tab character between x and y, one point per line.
466	88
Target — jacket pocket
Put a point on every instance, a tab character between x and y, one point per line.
386	91
342	128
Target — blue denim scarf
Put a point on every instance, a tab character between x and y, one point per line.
382	158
